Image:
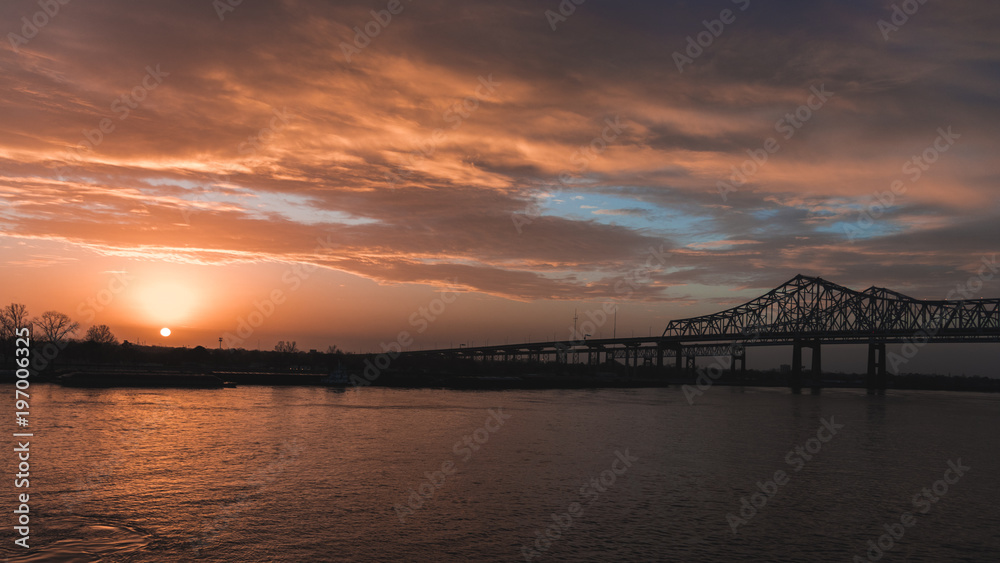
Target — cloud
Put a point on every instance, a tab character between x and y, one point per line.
262	138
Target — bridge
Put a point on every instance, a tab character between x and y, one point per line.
805	312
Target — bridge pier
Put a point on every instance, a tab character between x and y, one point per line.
796	382
813	312
877	379
562	354
817	369
738	355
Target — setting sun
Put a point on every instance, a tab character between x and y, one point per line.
496	260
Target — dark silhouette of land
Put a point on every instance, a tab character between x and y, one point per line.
94	364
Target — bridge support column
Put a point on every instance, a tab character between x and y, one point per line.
679	360
817	369
562	355
796	381
659	358
737	355
877	379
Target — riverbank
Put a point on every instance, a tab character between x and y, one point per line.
507	379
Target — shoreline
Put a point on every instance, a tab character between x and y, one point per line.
132	378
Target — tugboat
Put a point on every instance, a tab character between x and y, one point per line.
337	378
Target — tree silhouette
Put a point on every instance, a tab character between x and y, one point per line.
101	334
55	326
287	347
12	317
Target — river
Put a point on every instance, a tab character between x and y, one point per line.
315	474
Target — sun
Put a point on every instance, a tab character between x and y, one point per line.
164	331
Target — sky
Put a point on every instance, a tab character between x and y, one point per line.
479	172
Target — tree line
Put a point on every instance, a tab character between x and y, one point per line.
50	326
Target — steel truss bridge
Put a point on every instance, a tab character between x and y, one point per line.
805	312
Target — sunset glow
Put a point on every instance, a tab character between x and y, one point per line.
168	301
469	280
181	169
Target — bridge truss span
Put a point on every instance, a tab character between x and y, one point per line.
804	312
816	309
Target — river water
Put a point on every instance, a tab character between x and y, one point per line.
314	474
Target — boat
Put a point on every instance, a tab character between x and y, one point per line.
337	378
